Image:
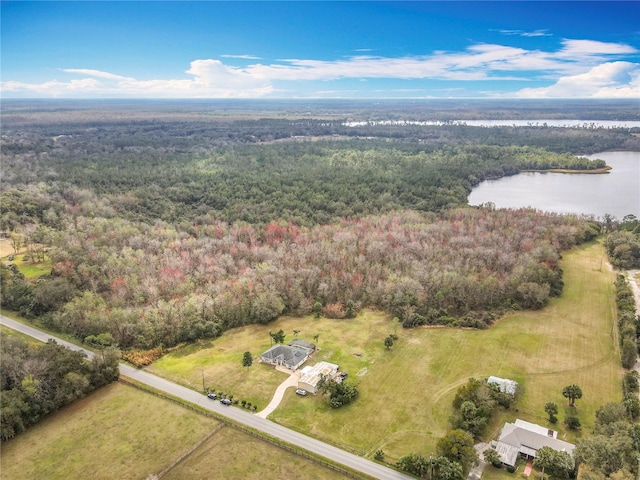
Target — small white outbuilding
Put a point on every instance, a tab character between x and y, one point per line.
504	384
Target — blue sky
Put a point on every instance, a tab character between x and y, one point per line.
454	49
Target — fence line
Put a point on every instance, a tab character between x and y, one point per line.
191	450
225	422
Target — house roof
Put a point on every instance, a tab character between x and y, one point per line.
291	357
508	453
297	342
527	438
532	427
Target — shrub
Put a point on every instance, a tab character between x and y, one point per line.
572	422
414	320
491	456
379	455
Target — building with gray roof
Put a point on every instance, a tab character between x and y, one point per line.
291	356
527	438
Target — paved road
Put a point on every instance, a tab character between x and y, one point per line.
312	445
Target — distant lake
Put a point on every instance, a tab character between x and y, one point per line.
566	123
616	193
554	123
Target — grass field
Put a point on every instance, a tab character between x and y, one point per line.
406	392
220	362
124	433
31	270
117	432
232	454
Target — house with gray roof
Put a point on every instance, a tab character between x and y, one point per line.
299	343
291	356
527	438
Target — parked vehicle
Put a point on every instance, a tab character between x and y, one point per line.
225	401
301	392
212	396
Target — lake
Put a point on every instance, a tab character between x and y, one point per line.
556	123
616	193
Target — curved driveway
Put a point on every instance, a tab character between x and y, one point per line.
291	381
289	436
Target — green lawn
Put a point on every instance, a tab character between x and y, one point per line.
32	270
220	362
28	269
406	392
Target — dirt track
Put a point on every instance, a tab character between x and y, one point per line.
634	283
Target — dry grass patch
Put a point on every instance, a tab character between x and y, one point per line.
5	247
233	454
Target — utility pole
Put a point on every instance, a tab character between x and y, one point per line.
431	467
203	388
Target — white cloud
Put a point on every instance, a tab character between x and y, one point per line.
578	68
210	79
95	73
244	57
54	88
522	33
576	49
608	80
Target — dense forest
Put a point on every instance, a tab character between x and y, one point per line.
167	224
154	285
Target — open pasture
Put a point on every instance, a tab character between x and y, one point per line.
121	432
230	453
117	432
406	392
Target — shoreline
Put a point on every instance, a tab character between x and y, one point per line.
597	171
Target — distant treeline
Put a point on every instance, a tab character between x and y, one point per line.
306	183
